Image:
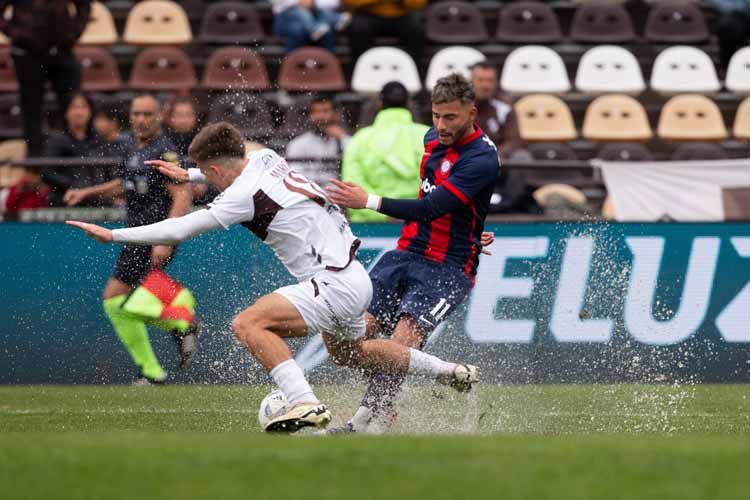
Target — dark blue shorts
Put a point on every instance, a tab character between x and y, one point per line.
405	283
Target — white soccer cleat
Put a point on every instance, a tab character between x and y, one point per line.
463	378
299	416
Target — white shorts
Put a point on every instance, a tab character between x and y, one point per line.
333	302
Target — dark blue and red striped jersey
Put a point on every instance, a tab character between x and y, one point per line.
468	170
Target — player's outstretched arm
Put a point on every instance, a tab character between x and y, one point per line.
100	234
172	170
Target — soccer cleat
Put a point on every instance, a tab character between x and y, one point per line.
144	381
463	378
299	416
338	430
187	344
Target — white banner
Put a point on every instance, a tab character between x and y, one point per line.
698	191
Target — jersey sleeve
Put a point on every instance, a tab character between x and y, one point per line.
479	171
234	205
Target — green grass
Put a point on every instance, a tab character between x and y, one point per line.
521	442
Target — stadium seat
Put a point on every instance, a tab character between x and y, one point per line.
624	151
528	22
100	29
231	23
550	151
311	69
609	68
684	69
455	23
157	22
544	118
249	113
451	60
11	151
616	117
8	81
4	40
741	128
698	151
162	68
691	117
235	68
99	70
381	65
602	23
11	120
738	72
534	68
296	120
676	22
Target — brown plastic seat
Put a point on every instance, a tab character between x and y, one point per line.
235	68
528	22
691	117
625	151
698	151
99	70
157	22
162	68
553	151
616	117
11	119
311	69
741	128
676	22
231	23
249	113
11	151
8	81
544	118
602	23
455	23
100	29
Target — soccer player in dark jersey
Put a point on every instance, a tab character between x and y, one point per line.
418	285
139	292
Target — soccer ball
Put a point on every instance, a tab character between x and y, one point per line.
270	406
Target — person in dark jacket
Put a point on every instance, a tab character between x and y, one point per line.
42	35
78	140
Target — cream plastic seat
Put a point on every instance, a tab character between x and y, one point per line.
616	117
691	117
157	22
741	128
543	117
100	29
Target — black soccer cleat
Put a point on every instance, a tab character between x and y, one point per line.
187	344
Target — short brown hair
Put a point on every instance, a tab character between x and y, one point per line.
453	87
217	141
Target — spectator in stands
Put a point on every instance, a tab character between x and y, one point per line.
27	193
326	141
42	35
181	121
78	140
108	124
385	157
373	18
733	27
308	22
495	114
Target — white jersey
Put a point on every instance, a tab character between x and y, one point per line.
292	215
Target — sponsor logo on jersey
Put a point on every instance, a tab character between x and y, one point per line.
427	187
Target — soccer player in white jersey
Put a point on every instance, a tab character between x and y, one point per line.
312	238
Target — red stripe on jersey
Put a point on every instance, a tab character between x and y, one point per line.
407	234
473	254
440	238
427	152
456	192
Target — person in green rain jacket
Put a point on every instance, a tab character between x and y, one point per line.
385	157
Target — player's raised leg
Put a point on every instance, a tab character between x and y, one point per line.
261	329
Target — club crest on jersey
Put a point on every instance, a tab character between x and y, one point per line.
445	166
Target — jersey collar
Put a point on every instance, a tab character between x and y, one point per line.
477	134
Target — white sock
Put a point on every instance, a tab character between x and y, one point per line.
361	419
421	363
291	380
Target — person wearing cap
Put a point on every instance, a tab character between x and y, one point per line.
384	158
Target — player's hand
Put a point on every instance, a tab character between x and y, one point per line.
171	170
100	234
346	194
160	254
487	239
74	196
